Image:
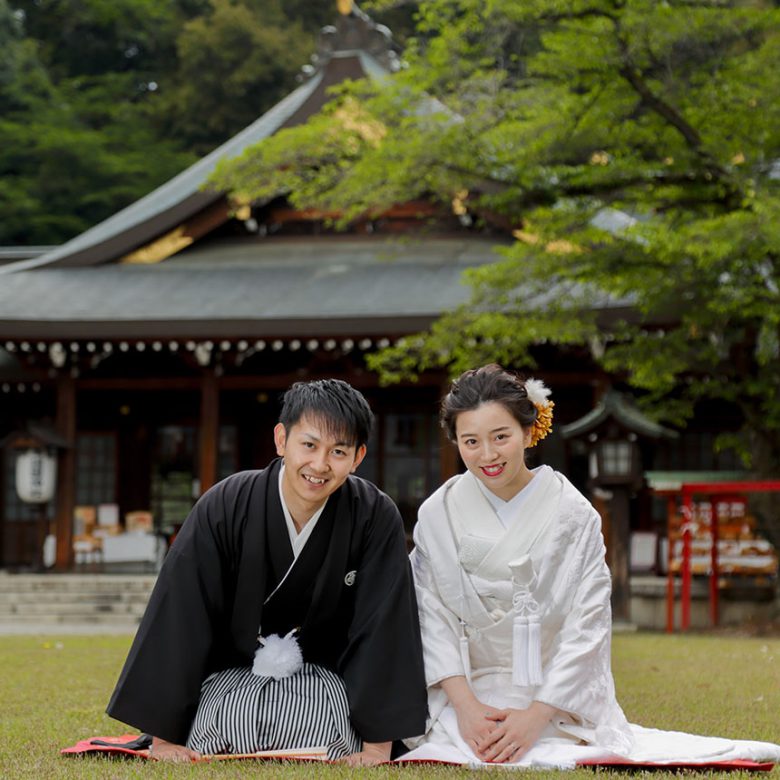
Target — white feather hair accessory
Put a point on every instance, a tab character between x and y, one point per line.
539	395
537	391
278	656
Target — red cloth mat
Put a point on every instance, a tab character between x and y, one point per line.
736	764
742	765
117	746
124	745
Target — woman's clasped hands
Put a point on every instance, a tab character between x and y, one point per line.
476	722
513	732
496	736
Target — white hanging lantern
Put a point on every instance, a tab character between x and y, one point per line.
36	476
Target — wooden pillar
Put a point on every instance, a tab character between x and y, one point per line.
618	552
449	461
685	566
66	471
208	434
601	501
671	523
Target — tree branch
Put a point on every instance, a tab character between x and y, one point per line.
541	194
633	75
585	13
652	101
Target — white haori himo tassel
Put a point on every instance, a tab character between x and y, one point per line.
277	656
526	626
526	650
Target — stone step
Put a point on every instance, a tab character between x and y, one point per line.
118	608
30	602
68	588
74	597
67	629
75	618
92	583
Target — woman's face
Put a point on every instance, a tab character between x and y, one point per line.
492	444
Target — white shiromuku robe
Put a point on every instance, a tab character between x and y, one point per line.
472	554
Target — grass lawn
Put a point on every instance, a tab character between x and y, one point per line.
53	691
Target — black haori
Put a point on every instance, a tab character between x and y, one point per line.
348	596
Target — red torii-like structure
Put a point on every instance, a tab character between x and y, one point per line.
688	490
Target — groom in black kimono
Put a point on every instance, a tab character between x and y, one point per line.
301	546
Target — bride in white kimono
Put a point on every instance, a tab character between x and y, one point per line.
514	600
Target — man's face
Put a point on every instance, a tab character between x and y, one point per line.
316	464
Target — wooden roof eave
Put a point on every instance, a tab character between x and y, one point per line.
335	327
615	406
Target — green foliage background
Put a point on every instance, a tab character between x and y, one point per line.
103	100
633	146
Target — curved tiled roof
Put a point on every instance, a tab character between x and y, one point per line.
186	185
263	286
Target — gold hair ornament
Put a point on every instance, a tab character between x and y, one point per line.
538	395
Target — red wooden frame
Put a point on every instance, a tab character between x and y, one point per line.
687	491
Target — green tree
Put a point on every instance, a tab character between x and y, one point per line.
76	143
234	62
631	146
95	37
102	100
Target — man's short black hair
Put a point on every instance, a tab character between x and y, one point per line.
343	410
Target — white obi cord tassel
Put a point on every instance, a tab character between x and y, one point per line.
277	656
465	657
526	645
526	628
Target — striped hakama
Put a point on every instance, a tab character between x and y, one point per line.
241	712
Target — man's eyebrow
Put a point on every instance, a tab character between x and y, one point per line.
341	443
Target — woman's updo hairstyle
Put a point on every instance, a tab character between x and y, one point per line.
483	385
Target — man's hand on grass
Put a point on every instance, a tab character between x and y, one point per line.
168	751
373	753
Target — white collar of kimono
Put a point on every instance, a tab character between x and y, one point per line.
297	540
508	511
472	514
